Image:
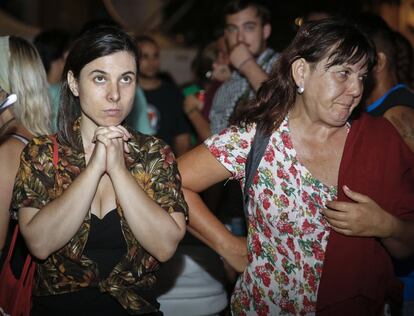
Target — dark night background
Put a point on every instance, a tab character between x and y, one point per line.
199	22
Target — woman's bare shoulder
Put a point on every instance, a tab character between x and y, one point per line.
10	147
10	150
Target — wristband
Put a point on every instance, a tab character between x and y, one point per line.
244	62
191	111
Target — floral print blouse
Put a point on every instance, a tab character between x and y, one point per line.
287	233
39	181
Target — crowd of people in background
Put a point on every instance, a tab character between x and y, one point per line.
136	195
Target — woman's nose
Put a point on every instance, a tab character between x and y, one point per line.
356	87
113	94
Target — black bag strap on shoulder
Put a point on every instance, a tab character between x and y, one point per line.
254	157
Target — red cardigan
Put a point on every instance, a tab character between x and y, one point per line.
376	162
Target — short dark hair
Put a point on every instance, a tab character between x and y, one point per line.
405	59
339	40
235	6
140	39
381	34
92	44
51	45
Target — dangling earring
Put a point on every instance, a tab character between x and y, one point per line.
300	89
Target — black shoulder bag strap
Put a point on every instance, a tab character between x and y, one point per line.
254	157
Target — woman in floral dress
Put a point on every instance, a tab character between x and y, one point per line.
99	204
322	179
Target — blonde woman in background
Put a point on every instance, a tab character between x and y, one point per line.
21	73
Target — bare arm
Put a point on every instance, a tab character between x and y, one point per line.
50	228
182	144
200	124
10	151
245	63
254	73
156	230
199	170
402	118
400	242
192	107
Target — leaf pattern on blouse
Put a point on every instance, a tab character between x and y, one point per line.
38	182
287	234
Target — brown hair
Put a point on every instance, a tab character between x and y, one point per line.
92	44
313	42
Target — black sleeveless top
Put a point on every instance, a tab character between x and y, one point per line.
106	246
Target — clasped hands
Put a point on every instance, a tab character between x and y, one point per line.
110	145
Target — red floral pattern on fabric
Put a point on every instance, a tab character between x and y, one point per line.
287	233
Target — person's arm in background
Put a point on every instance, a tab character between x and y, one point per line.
247	66
192	108
245	63
199	170
402	117
195	109
182	143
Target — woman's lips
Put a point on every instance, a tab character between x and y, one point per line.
113	112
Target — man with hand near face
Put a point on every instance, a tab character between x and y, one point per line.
247	28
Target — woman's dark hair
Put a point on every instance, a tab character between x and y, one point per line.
93	44
339	40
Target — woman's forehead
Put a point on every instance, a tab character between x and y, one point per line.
355	60
112	62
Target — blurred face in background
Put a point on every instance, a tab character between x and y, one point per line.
246	27
149	63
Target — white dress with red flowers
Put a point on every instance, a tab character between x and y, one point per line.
287	233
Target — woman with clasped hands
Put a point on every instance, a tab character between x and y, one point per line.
332	197
101	218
